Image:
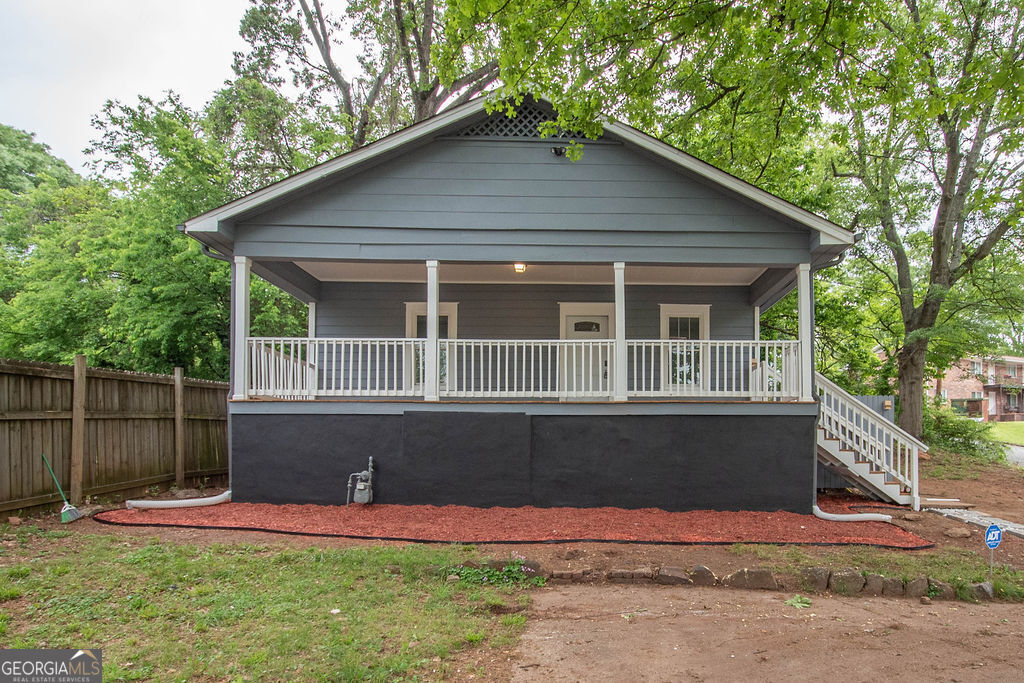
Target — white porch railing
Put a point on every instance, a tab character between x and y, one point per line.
869	436
292	368
759	370
534	368
307	368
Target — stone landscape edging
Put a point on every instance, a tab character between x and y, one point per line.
848	581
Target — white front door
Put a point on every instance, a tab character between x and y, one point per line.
991	403
586	367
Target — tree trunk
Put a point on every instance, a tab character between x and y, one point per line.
910	387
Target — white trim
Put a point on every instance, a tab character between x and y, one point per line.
311	319
619	386
805	309
757	323
432	377
444	308
566	308
701	311
240	273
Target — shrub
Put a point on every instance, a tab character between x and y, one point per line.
947	431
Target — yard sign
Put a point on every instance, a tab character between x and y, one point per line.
993	537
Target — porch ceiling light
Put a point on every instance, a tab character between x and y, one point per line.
519	267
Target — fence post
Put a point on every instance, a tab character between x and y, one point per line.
179	428
77	429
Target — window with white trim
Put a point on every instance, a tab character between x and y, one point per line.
1011	400
416	328
976	367
977	394
684	364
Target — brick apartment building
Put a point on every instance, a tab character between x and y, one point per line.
989	388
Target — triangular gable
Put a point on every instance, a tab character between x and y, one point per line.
215	227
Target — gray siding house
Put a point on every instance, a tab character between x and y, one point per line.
496	324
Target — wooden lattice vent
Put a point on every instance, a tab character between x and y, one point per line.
525	124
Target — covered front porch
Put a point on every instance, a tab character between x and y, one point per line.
614	332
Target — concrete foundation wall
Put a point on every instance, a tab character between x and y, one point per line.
486	459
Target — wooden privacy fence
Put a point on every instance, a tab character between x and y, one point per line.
104	430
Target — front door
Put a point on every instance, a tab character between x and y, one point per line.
586	367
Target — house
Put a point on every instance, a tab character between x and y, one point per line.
988	388
495	323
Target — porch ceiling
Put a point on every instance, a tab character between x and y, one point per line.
538	273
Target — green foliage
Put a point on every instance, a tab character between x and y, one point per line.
512	573
25	163
948	431
100	269
799	601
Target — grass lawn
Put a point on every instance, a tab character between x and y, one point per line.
177	612
1008	432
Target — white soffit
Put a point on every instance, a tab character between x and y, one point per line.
536	274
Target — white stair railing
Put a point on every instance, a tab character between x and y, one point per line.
869	436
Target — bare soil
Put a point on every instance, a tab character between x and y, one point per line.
648	632
660	633
997	490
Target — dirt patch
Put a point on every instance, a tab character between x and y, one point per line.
455	523
647	633
996	489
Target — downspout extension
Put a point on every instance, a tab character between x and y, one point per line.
185	503
854	517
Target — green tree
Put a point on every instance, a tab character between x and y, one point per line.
933	109
917	106
306	49
99	268
25	163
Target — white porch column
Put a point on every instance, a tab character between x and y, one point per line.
757	323
805	311
431	365
240	326
311	319
619	387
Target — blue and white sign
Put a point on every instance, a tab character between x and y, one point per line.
993	536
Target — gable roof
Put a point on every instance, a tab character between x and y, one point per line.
215	228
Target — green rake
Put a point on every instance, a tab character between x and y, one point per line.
69	512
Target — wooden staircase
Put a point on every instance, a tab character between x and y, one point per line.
866	449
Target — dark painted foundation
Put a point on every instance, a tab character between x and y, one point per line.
673	462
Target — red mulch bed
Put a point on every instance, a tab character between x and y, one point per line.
456	523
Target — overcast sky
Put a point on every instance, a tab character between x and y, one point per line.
60	60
